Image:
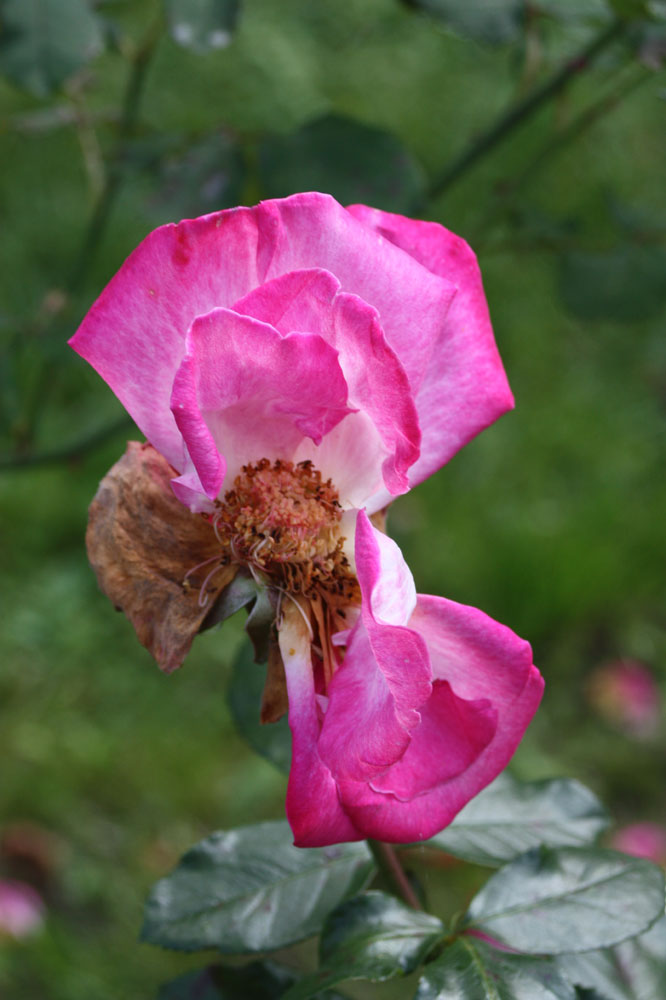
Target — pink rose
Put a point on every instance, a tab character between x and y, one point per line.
626	693
300	365
21	909
643	840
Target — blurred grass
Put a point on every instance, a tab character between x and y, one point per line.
551	521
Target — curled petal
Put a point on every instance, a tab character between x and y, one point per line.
376	693
313	806
464	388
312	300
243	392
496	691
134	334
313	230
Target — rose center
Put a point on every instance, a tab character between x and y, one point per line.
283	520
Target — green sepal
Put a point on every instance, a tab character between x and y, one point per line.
241	591
260	621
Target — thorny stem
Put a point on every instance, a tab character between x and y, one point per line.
524	109
580	124
389	865
545	156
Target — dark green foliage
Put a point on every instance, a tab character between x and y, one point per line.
351	161
623	285
492	22
573	899
470	969
257	981
251	890
202	25
551	521
634	970
373	936
509	817
42	42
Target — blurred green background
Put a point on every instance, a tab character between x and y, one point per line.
119	115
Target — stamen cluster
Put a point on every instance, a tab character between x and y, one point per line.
282	520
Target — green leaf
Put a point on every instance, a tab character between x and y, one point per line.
634	970
630	9
373	936
256	981
200	984
575	10
657	9
494	22
250	889
510	817
246	686
571	899
241	591
351	161
45	41
625	284
207	176
472	970
202	25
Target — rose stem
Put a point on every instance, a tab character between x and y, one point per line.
389	865
523	110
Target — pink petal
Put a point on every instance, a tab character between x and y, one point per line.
451	735
387	585
465	387
245	393
314	231
134	334
369	717
375	694
488	668
312	300
313	807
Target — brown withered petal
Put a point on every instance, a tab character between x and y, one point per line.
379	519
141	544
274	700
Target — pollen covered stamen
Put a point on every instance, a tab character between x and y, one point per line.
282	521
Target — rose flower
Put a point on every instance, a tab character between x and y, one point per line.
296	366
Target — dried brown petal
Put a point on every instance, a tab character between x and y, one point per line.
379	519
141	544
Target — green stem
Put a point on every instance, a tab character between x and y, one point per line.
549	151
389	865
581	124
524	109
